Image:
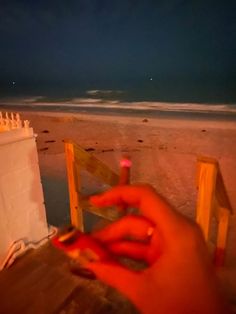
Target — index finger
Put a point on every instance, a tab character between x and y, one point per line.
143	197
141	229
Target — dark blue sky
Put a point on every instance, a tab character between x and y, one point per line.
109	43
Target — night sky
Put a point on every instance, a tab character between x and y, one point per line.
179	50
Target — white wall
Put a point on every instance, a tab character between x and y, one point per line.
22	210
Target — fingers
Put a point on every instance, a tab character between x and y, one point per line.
137	227
151	205
134	250
117	276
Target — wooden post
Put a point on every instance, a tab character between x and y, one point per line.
76	159
213	199
207	172
73	185
222	233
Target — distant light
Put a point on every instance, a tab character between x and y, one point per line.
150	79
13	83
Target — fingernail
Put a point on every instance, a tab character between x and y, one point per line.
83	272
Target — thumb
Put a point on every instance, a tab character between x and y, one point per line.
123	279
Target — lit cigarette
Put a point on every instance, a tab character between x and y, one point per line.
125	165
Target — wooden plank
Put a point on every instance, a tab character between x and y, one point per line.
39	282
221	193
13	275
76	216
84	298
220	189
31	286
207	172
208	160
50	255
213	199
202	160
77	169
99	299
222	233
93	165
109	213
78	159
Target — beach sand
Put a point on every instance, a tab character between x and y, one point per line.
163	151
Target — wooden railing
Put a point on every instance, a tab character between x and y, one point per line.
212	200
78	159
212	203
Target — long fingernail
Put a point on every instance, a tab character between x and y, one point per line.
83	272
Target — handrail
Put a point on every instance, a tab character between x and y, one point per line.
76	160
212	202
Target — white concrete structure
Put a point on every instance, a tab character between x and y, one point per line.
22	212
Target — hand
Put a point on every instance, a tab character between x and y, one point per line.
179	277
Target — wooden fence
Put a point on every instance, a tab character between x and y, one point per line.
76	160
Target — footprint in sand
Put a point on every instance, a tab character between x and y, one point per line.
45	131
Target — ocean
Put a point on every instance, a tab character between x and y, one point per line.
148	101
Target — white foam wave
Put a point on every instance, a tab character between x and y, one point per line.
116	104
96	92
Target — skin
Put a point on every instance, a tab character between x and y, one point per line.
179	277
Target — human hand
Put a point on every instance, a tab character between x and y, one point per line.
179	277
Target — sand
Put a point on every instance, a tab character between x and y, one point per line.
164	153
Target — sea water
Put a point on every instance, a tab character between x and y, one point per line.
147	99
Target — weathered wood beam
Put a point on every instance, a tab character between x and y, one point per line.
76	160
74	186
207	172
222	234
213	201
93	165
109	213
